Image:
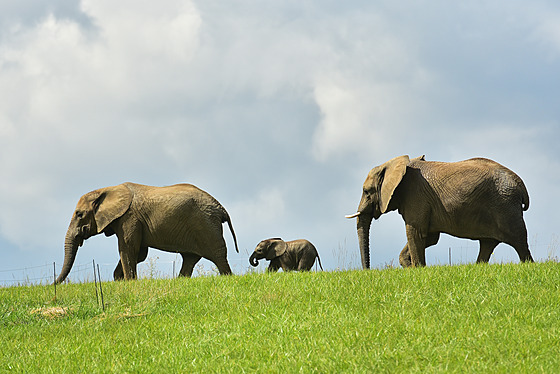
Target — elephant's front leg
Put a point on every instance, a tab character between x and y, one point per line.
416	246
118	273
404	257
274	265
130	242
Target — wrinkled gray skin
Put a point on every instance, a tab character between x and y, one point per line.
180	218
293	255
476	199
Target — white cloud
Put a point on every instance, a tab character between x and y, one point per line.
76	96
262	212
221	94
548	33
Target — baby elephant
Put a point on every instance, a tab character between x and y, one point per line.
294	255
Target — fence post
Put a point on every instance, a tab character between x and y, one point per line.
54	277
95	282
100	289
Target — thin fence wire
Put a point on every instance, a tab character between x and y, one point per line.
155	268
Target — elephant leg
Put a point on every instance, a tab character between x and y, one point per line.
274	265
128	265
223	266
404	256
306	262
515	235
213	247
416	246
521	246
523	252
142	254
118	273
522	249
189	261
486	248
129	252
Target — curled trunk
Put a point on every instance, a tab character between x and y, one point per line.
253	260
363	225
71	245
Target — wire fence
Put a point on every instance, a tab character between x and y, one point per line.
153	267
47	273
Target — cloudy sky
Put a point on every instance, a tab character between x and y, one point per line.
277	108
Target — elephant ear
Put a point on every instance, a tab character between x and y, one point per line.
394	171
276	248
111	204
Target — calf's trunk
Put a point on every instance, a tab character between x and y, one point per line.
253	260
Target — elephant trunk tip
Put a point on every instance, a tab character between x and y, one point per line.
253	261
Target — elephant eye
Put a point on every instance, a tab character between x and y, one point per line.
79	214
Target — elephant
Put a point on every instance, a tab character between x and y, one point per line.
475	199
180	218
293	255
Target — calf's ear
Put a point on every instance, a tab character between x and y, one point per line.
276	249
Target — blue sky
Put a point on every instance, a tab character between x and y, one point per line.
278	109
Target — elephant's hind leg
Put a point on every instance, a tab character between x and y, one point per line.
189	261
522	249
223	265
486	248
307	260
517	237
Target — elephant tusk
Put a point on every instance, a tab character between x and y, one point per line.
353	215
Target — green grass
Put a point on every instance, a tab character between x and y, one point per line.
475	318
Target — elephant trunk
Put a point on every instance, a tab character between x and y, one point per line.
71	244
363	225
253	260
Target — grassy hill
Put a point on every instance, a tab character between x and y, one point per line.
476	318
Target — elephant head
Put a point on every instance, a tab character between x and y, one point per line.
94	212
378	190
269	249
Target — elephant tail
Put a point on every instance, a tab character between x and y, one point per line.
228	220
319	260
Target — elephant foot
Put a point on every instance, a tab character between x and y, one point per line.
404	258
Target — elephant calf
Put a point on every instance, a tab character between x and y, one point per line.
293	255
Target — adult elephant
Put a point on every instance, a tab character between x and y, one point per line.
180	218
475	199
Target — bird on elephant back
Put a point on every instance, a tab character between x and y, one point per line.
475	199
